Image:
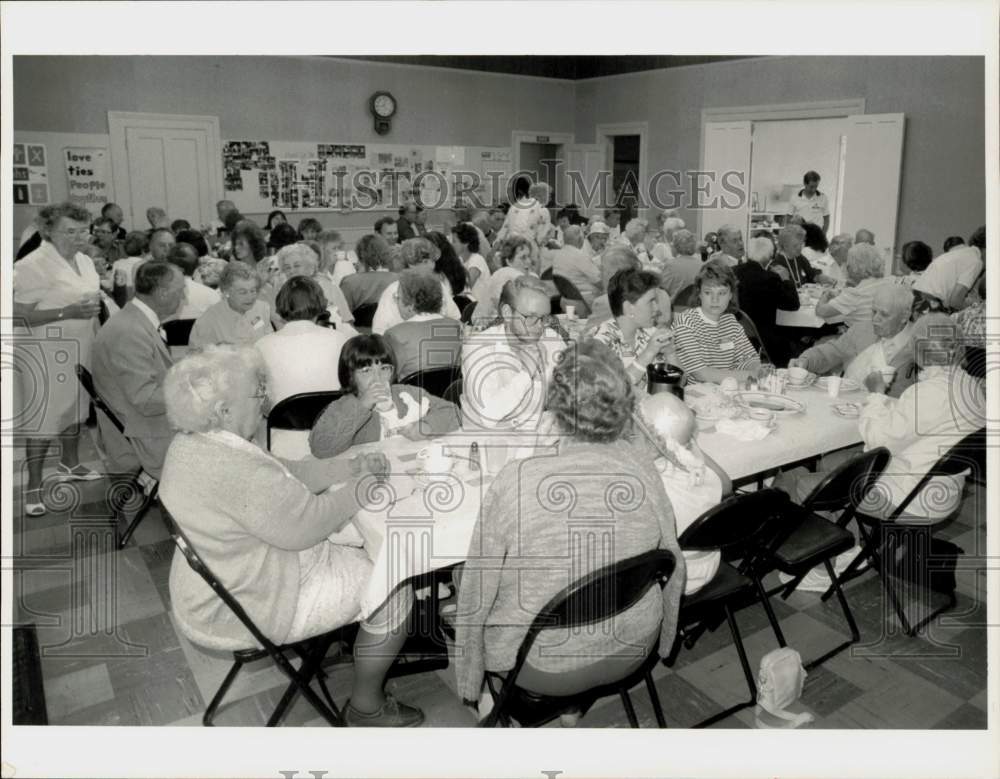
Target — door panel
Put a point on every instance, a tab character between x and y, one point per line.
587	160
173	162
872	161
726	160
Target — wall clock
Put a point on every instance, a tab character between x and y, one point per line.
383	107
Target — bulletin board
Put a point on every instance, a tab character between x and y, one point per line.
303	176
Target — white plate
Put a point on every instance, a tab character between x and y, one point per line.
780	405
846	409
846	385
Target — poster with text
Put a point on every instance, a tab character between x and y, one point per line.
87	177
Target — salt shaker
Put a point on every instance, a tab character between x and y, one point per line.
474	456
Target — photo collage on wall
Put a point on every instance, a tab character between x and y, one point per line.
238	156
31	175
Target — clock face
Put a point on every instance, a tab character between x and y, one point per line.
384	105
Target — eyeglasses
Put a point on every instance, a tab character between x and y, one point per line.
531	320
371	370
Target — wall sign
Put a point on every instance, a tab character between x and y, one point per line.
87	177
31	176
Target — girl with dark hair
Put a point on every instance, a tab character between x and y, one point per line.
448	264
375	407
276	217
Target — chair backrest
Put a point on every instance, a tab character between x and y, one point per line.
546	274
453	394
436	381
299	412
689	297
199	567
596	597
461	302
87	382
364	315
746	321
739	524
967	454
845	487
468	312
974	361
570	293
178	331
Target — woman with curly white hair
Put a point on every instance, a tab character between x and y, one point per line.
865	269
268	530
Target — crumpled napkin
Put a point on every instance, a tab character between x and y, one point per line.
743	429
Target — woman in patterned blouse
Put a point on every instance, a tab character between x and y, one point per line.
631	332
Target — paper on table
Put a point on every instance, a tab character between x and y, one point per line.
743	429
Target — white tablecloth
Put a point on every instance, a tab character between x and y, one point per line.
430	527
804	317
814	432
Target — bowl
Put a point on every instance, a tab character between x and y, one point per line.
761	415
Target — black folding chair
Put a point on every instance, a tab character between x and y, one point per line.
879	534
120	501
462	302
753	335
974	361
364	315
299	412
740	528
178	331
311	651
468	312
597	597
689	297
571	295
435	381
453	394
811	540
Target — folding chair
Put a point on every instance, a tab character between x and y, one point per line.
454	392
969	453
311	651
299	412
571	295
740	527
364	315
118	505
435	381
810	539
689	297
178	331
597	597
753	335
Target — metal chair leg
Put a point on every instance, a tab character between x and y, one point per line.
654	699
766	603
139	516
747	673
206	720
633	721
848	616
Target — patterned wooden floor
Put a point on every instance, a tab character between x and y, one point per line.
111	655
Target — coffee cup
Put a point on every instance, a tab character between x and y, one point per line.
570	312
797	375
888	374
833	386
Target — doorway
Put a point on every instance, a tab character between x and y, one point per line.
540	162
625	173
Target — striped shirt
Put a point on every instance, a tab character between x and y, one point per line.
701	343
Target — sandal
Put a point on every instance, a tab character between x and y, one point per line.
76	473
34	508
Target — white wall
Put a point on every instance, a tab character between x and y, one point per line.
784	150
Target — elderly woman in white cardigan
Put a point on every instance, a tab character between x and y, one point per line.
268	530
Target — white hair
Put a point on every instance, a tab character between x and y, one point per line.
684	242
760	249
296	250
864	262
202	382
899	297
540	192
937	339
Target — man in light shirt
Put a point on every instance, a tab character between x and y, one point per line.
811	204
506	368
731	249
571	263
199	298
891	356
949	278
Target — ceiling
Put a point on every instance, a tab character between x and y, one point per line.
566	67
